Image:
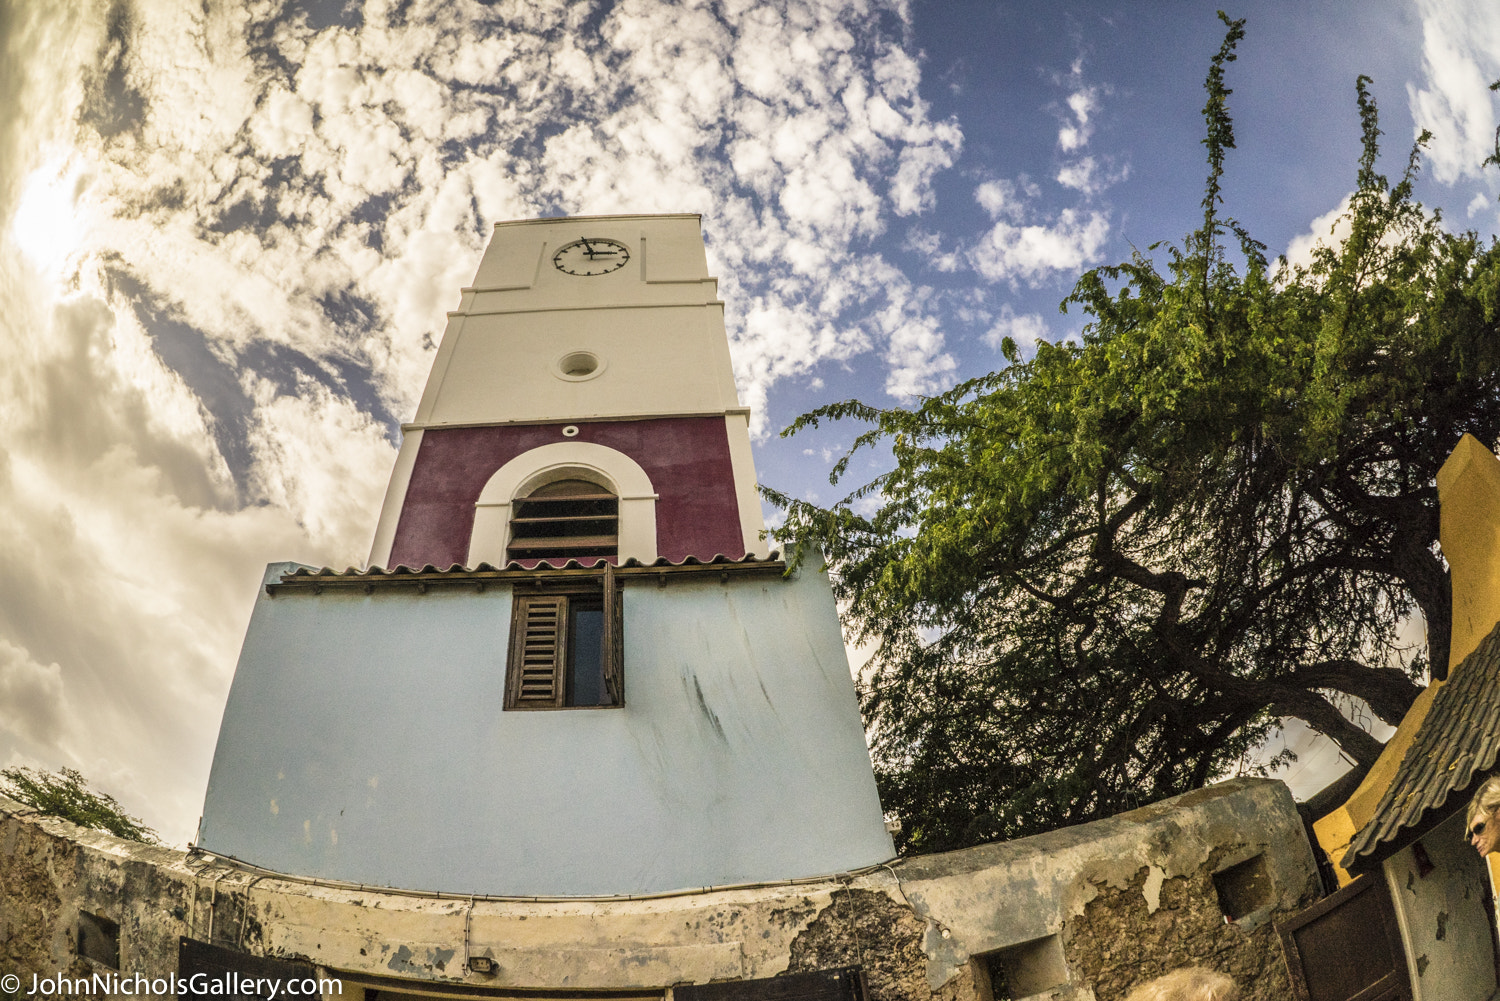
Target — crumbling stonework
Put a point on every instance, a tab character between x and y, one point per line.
866	928
1120	941
32	893
874	931
50	871
1126	898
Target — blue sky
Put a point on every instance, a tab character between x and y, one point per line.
228	236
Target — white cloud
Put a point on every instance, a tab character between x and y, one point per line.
930	246
319	459
1330	229
1037	252
1077	127
1020	246
1001	200
1080	175
1024	329
1084	173
236	268
910	190
917	363
1460	58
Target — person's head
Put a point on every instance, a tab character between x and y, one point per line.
1192	983
1482	825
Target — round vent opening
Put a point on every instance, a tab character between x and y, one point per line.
579	365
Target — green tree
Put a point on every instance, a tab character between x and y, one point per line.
1101	575
66	794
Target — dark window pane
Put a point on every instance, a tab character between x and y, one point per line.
586	654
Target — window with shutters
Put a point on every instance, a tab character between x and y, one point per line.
566	645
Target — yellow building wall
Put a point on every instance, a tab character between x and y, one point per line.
1469	532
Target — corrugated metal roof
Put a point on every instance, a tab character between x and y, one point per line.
314	580
541	566
1454	749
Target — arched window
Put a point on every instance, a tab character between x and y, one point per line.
565	519
575	470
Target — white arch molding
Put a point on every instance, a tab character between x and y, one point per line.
566	460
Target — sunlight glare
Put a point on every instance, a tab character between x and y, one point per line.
47	224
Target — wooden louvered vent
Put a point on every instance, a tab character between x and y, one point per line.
538	651
569	519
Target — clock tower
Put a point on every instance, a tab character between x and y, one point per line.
572	668
588	351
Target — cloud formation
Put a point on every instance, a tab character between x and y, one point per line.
1031	246
31	696
1077	124
1022	248
1330	229
1460	58
1025	329
228	238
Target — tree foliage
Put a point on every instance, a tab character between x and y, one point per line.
66	794
1104	573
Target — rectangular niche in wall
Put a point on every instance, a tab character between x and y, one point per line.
1244	888
99	939
1019	971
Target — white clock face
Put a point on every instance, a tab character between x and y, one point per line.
591	257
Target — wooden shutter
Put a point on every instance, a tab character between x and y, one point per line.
1347	946
614	639
538	651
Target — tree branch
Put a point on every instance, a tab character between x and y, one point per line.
1388	692
1318	713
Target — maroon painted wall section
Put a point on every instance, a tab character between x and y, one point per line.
687	459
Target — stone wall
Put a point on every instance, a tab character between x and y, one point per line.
1120	940
1080	914
50	871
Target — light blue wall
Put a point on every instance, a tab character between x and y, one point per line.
364	739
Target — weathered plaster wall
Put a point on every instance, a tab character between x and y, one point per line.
1441	910
51	870
1129	897
361	725
687	458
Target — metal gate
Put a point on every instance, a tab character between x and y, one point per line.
1346	947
